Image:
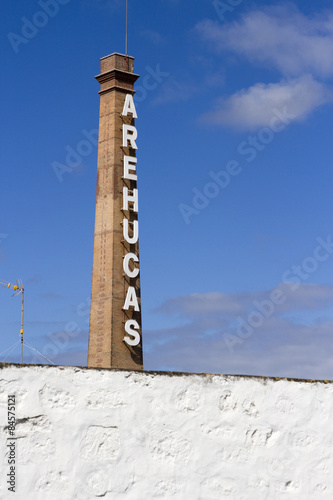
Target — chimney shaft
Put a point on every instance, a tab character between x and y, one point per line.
115	334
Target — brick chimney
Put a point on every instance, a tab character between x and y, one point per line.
115	334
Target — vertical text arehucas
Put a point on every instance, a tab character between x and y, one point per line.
129	137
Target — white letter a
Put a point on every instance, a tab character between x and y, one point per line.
129	106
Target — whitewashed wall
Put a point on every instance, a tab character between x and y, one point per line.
87	433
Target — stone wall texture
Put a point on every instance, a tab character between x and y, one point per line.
90	433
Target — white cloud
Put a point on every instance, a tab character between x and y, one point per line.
197	304
300	47
280	346
152	36
281	37
282	349
298	297
173	91
254	107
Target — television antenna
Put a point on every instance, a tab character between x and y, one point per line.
126	27
18	288
126	31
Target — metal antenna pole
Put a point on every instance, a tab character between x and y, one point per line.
18	288
126	27
22	326
126	35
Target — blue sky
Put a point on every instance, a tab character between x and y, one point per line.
235	178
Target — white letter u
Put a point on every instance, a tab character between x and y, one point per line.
132	240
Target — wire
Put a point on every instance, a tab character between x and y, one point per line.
33	349
13	347
3	352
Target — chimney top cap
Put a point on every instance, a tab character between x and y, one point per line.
117	61
117	54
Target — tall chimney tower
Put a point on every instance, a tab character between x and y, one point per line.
115	334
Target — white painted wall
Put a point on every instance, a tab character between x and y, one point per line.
87	433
